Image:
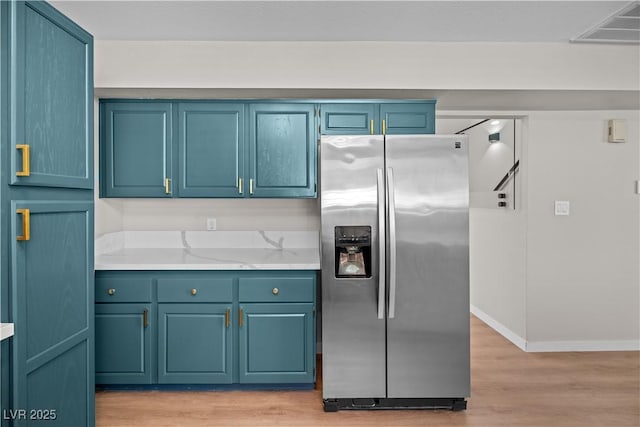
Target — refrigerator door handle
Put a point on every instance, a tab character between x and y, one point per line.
392	243
381	245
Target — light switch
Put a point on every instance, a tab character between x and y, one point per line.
211	224
562	207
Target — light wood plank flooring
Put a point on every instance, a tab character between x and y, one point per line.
509	388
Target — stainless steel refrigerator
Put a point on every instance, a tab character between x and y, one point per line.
395	271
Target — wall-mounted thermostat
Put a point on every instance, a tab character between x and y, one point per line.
617	131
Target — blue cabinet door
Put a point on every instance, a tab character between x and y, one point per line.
408	118
135	140
194	344
211	149
52	307
282	150
51	102
349	119
123	343
277	343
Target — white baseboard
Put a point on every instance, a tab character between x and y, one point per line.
547	346
516	339
553	346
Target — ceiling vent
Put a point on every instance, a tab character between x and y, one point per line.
621	27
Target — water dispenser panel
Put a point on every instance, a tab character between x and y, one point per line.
353	251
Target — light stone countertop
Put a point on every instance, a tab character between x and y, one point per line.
6	330
208	250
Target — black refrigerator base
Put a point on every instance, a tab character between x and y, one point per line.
454	404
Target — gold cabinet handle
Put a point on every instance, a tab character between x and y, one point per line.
194	291
145	318
227	318
26	224
240	316
26	171
251	186
371	127
240	185
384	127
275	291
167	186
111	291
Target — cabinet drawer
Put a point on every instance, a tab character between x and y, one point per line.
277	289
195	290
123	289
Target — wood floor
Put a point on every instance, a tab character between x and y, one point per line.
508	388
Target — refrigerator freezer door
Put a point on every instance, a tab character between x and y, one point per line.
353	337
428	337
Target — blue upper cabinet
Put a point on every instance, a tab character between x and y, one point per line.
263	149
282	150
408	118
354	118
211	149
52	99
349	119
135	142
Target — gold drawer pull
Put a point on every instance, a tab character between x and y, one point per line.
275	291
240	316
194	291
371	127
251	186
26	171
167	186
240	190
145	318
227	316
111	291
26	224
384	127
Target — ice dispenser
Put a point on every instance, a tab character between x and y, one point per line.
353	251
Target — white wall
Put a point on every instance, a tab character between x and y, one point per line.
583	279
371	65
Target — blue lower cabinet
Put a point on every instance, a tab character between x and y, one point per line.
195	344
205	327
123	343
277	343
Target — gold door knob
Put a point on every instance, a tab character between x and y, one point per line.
194	291
275	291
111	291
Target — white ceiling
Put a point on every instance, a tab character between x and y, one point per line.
438	21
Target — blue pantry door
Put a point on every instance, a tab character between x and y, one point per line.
211	149
52	292
52	103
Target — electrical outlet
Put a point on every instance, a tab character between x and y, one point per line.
211	224
562	207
